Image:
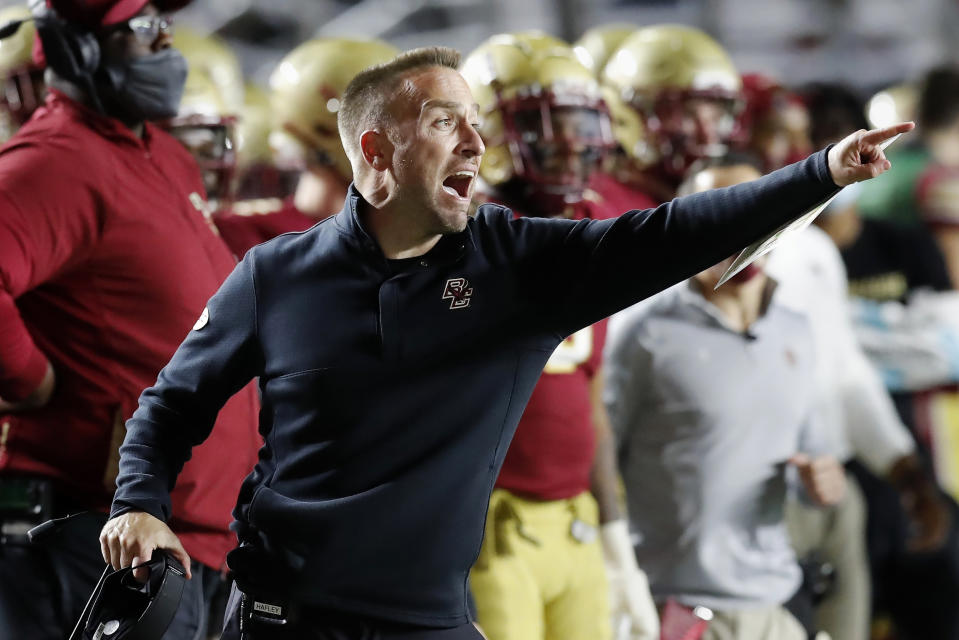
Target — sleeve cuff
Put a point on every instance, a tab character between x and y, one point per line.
120	507
823	168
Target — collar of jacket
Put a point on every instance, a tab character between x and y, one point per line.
450	247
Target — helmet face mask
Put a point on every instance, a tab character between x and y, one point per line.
555	149
685	90
257	173
212	143
685	126
21	79
545	123
22	93
206	121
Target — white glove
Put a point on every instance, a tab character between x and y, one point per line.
634	613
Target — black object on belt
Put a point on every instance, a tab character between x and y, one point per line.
25	501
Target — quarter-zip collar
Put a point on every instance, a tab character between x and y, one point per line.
449	248
688	293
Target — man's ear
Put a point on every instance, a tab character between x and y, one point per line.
376	149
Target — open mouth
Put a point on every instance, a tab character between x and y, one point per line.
458	184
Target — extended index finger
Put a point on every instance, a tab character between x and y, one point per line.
876	136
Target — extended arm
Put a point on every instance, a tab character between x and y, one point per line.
615	263
218	357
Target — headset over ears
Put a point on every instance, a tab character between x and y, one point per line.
71	51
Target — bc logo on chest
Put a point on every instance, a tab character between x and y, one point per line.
458	291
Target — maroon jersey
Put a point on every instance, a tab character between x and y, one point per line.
552	452
250	222
607	197
107	258
551	455
937	193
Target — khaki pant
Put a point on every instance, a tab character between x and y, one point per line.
533	579
838	535
771	623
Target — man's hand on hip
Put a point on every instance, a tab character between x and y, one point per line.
131	538
859	157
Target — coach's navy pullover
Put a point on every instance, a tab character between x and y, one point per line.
391	393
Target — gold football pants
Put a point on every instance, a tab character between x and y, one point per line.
540	573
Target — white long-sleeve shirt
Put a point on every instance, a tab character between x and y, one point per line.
854	403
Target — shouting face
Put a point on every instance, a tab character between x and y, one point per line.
436	148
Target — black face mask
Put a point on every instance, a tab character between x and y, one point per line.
145	88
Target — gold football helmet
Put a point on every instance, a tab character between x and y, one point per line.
253	128
596	45
305	92
211	56
773	123
684	87
257	173
212	98
543	118
205	127
22	80
535	40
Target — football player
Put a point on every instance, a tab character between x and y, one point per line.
206	121
554	515
774	122
305	91
682	94
597	44
21	77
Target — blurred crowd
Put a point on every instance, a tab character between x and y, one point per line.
775	457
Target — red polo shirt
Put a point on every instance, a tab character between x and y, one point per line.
107	259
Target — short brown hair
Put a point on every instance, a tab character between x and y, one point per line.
367	97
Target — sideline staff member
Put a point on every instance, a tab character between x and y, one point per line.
397	344
106	259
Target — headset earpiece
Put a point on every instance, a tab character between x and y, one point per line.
69	51
72	52
87	51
